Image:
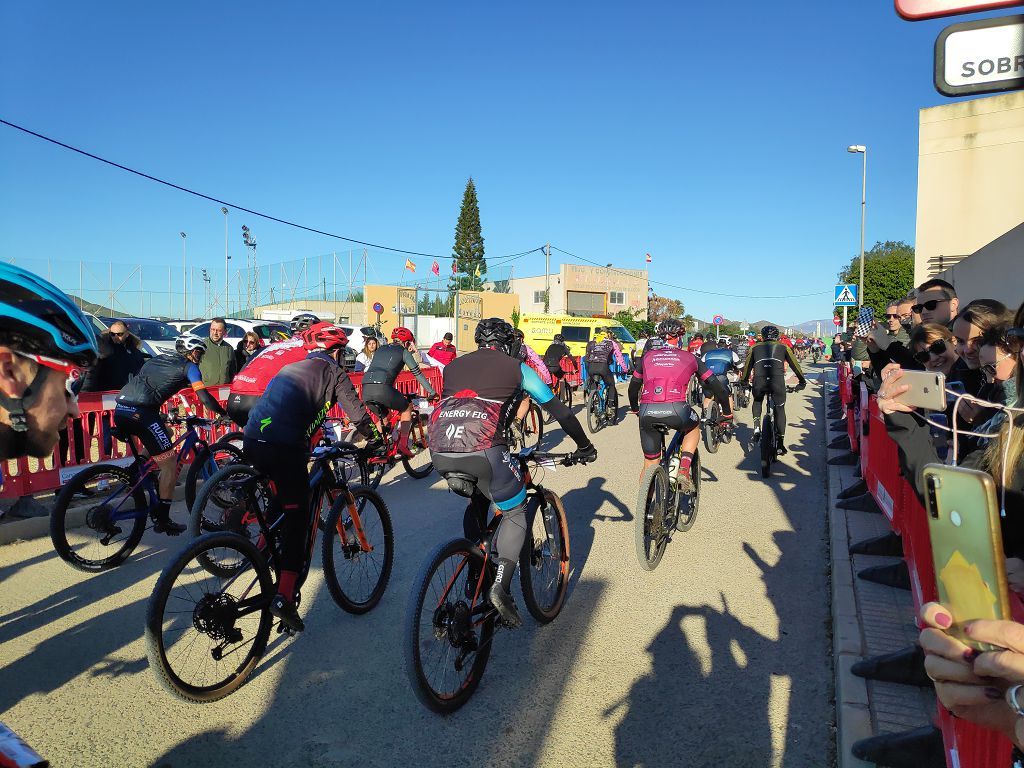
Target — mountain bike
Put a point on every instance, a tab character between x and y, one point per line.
660	508
450	621
713	429
740	394
208	619
599	412
526	432
815	354
114	502
769	446
388	424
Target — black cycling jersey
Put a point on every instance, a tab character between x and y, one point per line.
388	362
600	352
298	398
768	360
161	378
553	355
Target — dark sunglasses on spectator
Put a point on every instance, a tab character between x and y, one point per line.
937	347
893	317
929	305
119	335
1015	333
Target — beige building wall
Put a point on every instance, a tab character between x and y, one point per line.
994	272
622	288
970	171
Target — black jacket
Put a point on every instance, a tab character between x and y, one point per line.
117	363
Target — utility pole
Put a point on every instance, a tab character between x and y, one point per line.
227	258
547	278
184	280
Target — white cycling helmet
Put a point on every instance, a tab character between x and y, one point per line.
187	342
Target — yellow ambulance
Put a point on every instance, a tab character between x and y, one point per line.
539	330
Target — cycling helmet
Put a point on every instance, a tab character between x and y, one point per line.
559	339
610	334
671	328
495	332
370	332
303	321
770	333
37	317
519	334
325	336
185	343
403	335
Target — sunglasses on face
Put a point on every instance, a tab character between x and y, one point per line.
892	316
989	369
1015	333
937	347
70	370
929	305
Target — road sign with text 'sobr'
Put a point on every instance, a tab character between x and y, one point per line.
916	10
846	295
983	56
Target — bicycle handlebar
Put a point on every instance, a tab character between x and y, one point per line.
562	459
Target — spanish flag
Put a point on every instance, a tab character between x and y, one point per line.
648	258
409	265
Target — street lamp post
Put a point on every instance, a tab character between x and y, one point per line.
206	284
861	150
227	258
184	279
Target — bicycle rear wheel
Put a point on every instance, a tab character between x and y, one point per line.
446	644
204	634
544	561
420	465
688	503
767	444
356	573
710	427
98	519
205	463
651	516
594	411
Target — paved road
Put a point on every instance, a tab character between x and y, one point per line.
720	657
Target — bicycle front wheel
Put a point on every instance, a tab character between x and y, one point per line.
448	627
205	463
205	635
98	519
420	465
651	516
544	561
358	550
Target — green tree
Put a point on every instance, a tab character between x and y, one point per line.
628	319
888	273
469	244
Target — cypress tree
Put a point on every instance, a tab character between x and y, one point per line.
469	244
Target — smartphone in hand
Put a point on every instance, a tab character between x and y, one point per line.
927	390
865	321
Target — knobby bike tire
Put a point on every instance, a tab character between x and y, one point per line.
533	426
223	453
650	542
339	520
155	648
462	550
767	444
59	522
687	505
709	429
594	412
418	444
545	558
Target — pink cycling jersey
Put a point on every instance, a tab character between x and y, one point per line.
666	373
534	361
254	378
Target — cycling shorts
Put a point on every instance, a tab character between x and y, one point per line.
143	422
723	379
386	395
239	407
497	473
676	416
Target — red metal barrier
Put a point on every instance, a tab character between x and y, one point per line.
967	745
24	476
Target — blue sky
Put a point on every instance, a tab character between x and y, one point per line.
713	137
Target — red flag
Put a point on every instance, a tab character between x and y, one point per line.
455	268
648	258
436	269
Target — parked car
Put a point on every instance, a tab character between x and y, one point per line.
183	326
101	327
160	335
269	331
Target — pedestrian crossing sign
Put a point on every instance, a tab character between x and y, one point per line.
846	295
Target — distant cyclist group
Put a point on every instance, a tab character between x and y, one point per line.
282	397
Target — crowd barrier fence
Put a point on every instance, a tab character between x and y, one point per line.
26	476
967	745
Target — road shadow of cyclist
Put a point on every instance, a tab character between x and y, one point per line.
579	504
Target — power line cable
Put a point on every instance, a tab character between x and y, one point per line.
686	288
233	205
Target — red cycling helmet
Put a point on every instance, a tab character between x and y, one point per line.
403	335
324	336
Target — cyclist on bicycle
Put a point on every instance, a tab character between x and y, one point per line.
721	361
526	354
600	351
379	381
696	342
45	345
137	413
768	361
277	437
657	394
557	352
249	384
483	392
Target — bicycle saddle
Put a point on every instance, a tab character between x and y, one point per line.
460	483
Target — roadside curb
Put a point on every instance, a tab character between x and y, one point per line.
853	716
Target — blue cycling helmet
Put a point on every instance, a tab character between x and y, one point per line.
37	317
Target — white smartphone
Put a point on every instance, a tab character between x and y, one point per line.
927	390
